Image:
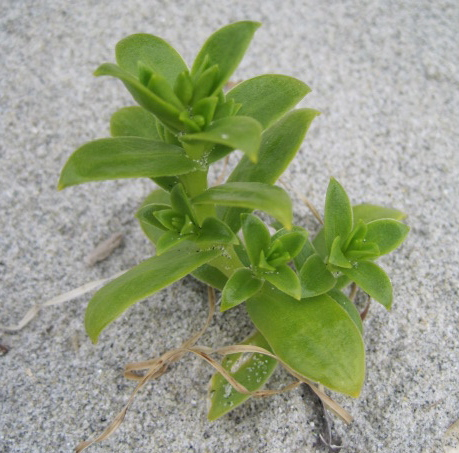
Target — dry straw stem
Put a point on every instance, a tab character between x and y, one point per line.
73	294
155	368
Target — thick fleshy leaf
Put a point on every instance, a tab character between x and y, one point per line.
206	108
168	240
240	286
206	84
307	251
388	234
157	196
279	145
252	373
338	213
362	250
291	242
167	113
336	256
314	336
124	157
146	215
373	280
242	254
181	203
315	278
237	132
342	281
215	231
357	234
225	47
267	97
285	279
183	87
319	244
153	52
256	236
140	282
349	306
211	276
370	212
252	195
166	182
134	122
170	219
162	88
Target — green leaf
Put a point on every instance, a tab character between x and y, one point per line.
252	373
307	251
242	254
181	203
285	279
240	286
361	250
134	122
205	84
256	237
370	212
336	256
206	108
237	132
215	231
146	214
373	280
342	281
388	234
357	234
166	182
170	219
157	196
267	97
314	336
124	157
168	240
279	145
211	276
138	122
338	214
183	87
225	47
319	244
167	113
153	52
291	242
252	195
161	87
140	282
315	278
349	306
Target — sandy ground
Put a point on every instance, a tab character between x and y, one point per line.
385	74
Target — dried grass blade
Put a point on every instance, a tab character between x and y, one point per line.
73	294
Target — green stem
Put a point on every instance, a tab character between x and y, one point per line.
195	183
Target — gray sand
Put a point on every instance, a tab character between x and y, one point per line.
385	74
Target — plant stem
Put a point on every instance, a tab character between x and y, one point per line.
195	183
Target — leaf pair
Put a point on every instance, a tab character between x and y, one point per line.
189	101
267	258
351	247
